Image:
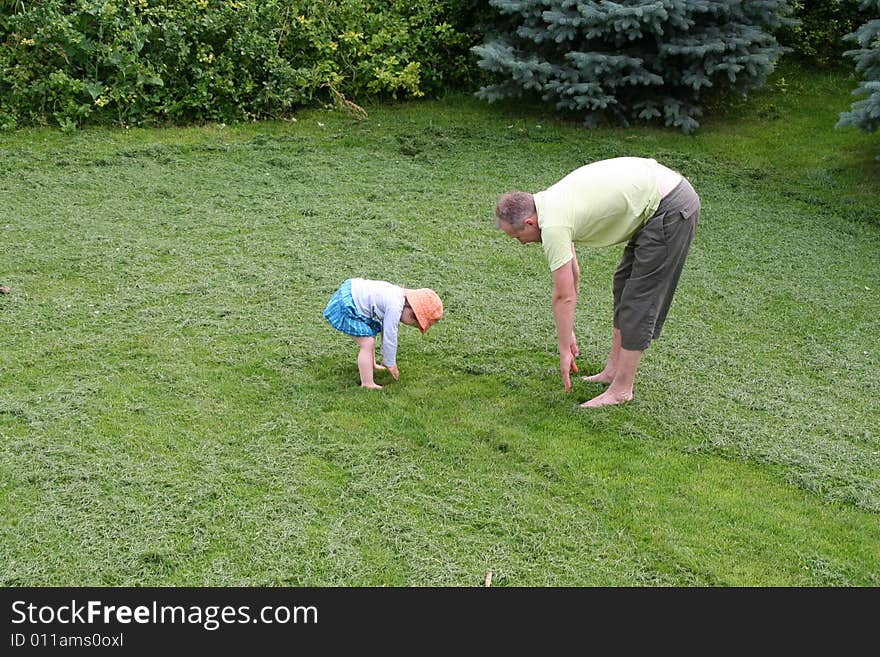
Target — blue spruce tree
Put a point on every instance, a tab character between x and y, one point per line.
865	113
631	60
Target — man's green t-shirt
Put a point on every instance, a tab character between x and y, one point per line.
599	204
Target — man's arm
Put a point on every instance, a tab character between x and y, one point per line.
564	301
576	274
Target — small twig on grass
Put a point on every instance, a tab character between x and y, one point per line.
488	578
340	102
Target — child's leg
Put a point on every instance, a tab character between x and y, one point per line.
376	365
366	361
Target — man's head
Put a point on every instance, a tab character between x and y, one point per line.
516	215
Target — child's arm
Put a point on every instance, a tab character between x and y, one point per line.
390	326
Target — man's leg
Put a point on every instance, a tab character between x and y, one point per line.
621	276
621	388
607	375
644	287
366	360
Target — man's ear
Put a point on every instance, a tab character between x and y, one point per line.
531	221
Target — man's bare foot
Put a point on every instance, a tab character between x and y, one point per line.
607	398
371	386
601	377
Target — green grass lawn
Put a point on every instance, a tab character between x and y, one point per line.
175	411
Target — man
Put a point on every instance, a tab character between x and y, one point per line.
626	199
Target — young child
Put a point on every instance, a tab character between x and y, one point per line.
362	309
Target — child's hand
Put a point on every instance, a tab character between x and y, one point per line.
394	371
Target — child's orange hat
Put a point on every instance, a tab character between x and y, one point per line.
426	306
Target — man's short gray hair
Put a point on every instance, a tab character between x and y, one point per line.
514	208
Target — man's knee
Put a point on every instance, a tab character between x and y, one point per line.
637	327
638	342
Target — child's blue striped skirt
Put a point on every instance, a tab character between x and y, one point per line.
343	315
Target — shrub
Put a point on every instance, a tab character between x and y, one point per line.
865	113
146	61
817	38
630	60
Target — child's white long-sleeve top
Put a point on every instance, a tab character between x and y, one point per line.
383	302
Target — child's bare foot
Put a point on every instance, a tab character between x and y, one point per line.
607	398
602	377
378	367
371	386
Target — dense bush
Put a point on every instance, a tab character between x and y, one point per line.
865	113
140	61
818	35
631	60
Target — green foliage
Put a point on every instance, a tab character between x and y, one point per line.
630	61
145	61
818	36
9	7
865	113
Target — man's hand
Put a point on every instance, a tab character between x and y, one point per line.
575	351
566	367
396	372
